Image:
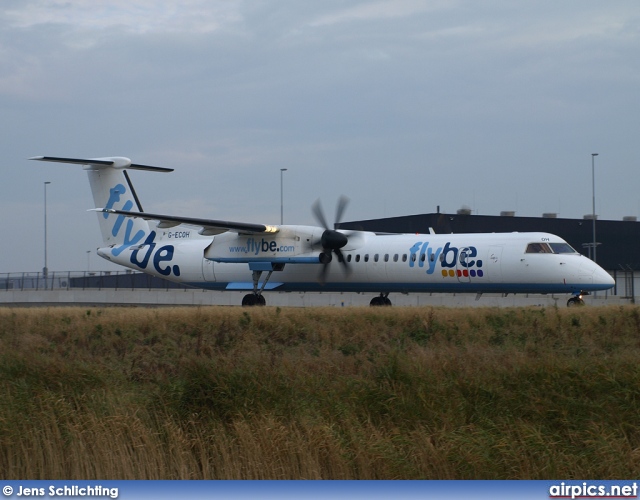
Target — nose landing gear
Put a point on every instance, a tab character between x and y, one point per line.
576	300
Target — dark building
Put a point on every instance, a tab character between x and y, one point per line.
617	248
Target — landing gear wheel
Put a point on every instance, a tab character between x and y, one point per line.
253	299
575	302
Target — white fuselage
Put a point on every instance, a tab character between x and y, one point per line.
475	262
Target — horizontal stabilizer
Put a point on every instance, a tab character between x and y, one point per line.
209	226
115	162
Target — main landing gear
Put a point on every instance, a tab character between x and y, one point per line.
256	298
576	300
381	300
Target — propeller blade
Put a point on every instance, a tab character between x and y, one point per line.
316	209
343	201
325	258
343	261
322	277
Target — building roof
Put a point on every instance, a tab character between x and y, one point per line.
618	241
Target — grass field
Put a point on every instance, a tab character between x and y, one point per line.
357	393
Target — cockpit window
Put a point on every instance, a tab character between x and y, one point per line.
550	248
562	248
539	248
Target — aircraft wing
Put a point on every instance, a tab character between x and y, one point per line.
209	227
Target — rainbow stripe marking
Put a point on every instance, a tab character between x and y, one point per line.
452	273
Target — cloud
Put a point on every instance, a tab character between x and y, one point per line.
139	16
389	9
401	105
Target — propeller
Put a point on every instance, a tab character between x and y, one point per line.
331	240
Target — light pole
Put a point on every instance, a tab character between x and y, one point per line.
593	201
45	270
282	170
88	260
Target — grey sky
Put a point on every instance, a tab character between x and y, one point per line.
401	105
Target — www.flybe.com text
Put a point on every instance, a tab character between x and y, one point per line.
255	247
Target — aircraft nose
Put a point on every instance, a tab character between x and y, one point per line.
602	277
592	273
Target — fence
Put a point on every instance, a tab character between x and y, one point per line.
625	279
81	280
128	280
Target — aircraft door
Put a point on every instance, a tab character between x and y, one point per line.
377	267
493	264
207	270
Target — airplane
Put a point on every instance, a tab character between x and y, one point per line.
225	255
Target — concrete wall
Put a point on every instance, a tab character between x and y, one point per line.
202	297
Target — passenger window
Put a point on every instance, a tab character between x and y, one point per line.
432	257
386	257
395	258
366	257
404	257
349	258
422	257
358	258
413	257
375	258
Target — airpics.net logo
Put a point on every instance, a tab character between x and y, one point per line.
586	490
